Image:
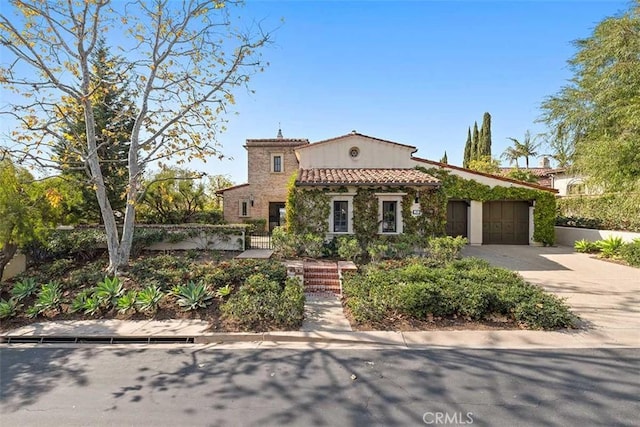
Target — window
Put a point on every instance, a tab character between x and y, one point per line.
340	216
244	208
389	216
276	163
390	213
340	219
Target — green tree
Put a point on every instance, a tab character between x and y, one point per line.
173	196
527	147
475	142
523	175
114	118
187	61
598	108
484	146
467	150
444	158
27	209
485	164
217	182
561	148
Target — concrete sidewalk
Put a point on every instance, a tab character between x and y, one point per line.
478	339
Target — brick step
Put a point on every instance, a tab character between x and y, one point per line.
313	289
331	284
321	275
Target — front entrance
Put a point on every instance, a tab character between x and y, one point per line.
276	215
505	223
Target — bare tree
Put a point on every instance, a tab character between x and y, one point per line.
185	59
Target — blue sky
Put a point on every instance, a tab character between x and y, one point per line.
415	72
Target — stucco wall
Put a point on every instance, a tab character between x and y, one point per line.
567	236
372	154
17	265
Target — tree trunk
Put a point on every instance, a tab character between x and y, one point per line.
6	255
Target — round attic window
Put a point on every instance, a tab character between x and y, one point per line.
354	152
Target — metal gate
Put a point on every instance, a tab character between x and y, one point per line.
259	240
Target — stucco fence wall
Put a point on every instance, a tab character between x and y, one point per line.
567	236
203	241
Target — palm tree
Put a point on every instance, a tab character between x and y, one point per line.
527	148
511	154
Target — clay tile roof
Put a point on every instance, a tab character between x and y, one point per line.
365	177
277	142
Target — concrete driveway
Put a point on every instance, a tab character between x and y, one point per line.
605	295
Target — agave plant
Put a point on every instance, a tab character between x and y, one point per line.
92	305
79	301
193	296
49	298
610	246
149	298
224	291
24	288
584	246
108	290
126	302
8	308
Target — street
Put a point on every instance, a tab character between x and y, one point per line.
207	385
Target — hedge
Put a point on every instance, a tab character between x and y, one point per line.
612	211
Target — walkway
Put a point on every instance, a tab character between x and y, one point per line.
324	313
256	254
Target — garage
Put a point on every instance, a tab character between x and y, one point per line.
457	218
505	222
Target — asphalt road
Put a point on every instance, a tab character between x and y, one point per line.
220	387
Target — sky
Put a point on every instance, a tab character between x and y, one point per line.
415	72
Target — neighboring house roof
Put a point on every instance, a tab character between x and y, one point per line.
489	175
277	142
235	187
328	176
354	133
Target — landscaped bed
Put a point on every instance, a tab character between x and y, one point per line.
419	293
233	295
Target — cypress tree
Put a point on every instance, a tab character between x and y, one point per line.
475	142
484	147
467	150
444	158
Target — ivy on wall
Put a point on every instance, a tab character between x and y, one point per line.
433	218
307	210
455	187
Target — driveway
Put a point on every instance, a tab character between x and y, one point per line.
605	295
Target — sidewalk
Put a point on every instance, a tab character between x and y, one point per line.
197	330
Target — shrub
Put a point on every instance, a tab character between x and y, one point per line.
193	296
348	248
610	246
261	303
378	251
92	305
149	298
284	244
444	250
310	245
24	288
543	311
586	247
630	252
470	288
9	308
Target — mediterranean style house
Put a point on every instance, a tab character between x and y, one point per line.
396	182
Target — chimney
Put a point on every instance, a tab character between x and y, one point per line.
544	162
